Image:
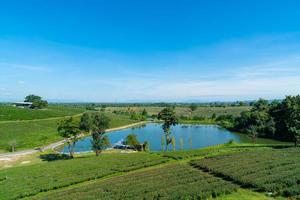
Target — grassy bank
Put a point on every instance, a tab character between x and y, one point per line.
31	134
10	113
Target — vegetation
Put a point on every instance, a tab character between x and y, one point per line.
99	124
169	119
37	101
30	134
279	120
69	129
10	113
269	170
30	180
175	181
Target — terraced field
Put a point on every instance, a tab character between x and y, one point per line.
174	181
274	171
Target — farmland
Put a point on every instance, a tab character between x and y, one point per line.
205	173
182	181
275	171
30	180
204	111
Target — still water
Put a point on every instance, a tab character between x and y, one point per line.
186	136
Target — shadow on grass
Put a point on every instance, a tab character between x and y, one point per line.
53	157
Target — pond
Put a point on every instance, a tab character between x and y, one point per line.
186	137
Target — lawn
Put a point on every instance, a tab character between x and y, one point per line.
31	134
276	171
10	113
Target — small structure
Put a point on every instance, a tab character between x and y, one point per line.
23	104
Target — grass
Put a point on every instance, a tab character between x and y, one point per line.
31	134
270	170
185	111
10	113
174	181
207	173
19	182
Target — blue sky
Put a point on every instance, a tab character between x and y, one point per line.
149	50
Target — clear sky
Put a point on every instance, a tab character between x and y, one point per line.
149	50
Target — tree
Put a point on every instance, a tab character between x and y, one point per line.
132	140
69	130
99	124
252	132
36	101
32	98
85	123
169	118
145	113
291	108
193	107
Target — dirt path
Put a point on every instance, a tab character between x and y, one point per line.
52	146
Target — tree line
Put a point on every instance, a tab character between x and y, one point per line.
277	120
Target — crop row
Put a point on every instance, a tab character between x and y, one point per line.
28	181
276	171
174	181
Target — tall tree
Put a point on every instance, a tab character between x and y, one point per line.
85	123
193	107
169	118
36	101
100	122
69	129
291	107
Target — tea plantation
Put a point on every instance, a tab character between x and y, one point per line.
174	181
26	181
274	171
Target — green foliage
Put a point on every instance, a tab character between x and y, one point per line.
291	107
132	140
28	133
99	122
193	107
279	120
26	181
36	101
176	181
270	170
69	129
169	118
85	122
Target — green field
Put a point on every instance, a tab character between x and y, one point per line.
28	134
214	172
10	113
204	111
174	181
20	182
276	171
